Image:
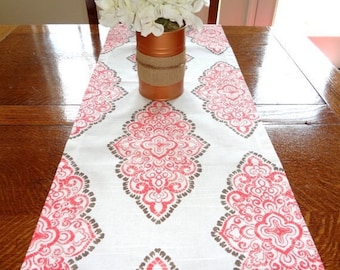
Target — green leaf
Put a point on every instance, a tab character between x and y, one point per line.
168	25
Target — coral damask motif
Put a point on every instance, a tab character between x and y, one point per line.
99	98
64	232
227	98
132	58
263	224
159	159
117	37
157	259
210	37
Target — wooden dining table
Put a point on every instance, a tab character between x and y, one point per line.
45	69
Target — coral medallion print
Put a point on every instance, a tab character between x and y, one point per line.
117	37
64	233
227	98
263	224
211	37
159	159
99	98
157	259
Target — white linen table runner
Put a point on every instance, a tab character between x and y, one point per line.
191	183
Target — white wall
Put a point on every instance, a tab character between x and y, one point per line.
320	22
42	11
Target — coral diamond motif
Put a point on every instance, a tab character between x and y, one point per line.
117	37
159	146
64	232
278	231
210	37
263	224
99	98
157	259
158	153
227	98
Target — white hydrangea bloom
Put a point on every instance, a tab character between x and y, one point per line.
142	14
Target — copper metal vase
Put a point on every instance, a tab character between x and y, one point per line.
161	64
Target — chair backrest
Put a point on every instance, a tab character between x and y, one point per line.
92	11
213	11
93	17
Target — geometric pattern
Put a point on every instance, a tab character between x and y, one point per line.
210	37
227	98
99	98
157	259
158	159
263	224
64	232
117	37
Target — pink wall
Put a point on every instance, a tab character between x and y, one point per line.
247	12
330	46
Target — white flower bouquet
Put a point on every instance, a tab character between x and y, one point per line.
151	16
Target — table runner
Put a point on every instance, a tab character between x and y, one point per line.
192	183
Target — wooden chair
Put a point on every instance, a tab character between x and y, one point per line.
92	11
93	17
213	11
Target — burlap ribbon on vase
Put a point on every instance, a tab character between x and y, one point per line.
161	71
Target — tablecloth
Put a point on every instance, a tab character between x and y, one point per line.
191	183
